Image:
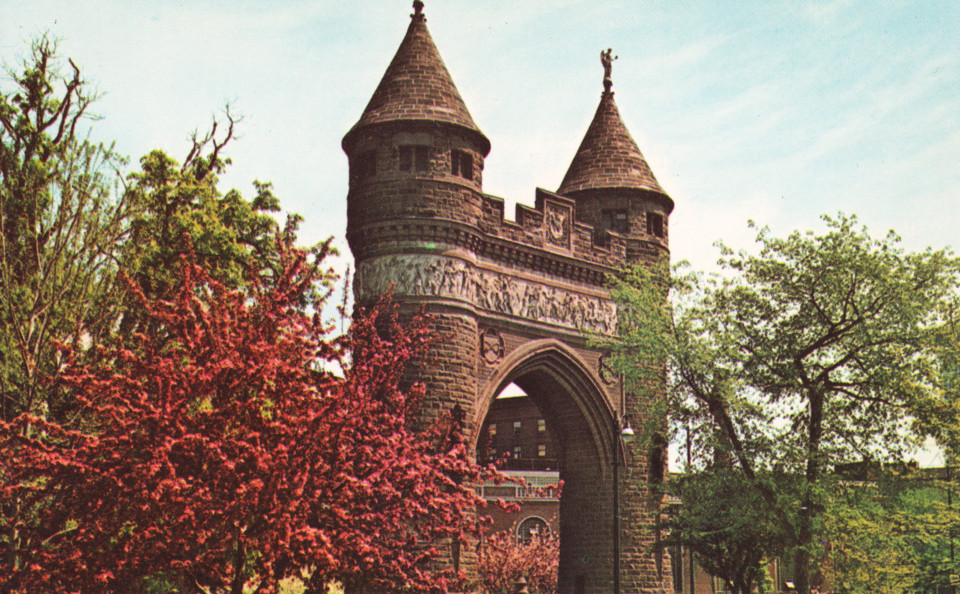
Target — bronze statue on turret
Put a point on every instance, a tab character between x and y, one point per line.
607	58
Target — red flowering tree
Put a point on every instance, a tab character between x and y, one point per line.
218	453
503	560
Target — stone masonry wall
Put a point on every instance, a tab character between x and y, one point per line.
492	286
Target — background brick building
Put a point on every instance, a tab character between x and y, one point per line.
516	438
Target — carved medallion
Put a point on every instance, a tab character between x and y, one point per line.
491	345
607	373
558	225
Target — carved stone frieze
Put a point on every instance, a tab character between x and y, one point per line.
442	276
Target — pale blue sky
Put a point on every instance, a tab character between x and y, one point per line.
776	111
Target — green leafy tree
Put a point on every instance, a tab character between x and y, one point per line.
813	351
69	221
868	544
889	530
60	223
728	526
932	513
181	210
941	418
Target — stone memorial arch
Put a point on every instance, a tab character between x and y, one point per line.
515	300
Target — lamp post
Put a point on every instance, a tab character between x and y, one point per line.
624	435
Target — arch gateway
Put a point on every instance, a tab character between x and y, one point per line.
513	301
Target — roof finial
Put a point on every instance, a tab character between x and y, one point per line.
606	58
417	10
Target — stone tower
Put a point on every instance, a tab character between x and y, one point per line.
515	301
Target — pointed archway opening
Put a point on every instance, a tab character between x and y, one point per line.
546	420
515	437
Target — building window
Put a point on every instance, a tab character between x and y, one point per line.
517	425
655	224
541	426
492	429
530	527
614	220
542	450
516	452
461	163
414	157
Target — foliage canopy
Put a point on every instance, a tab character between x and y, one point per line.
819	349
221	455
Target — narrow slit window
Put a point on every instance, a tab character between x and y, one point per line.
414	157
406	158
422	158
655	224
461	164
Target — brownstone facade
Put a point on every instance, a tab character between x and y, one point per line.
515	301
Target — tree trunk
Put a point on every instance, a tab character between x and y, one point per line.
803	572
811	477
239	561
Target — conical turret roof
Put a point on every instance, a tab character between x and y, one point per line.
417	86
608	157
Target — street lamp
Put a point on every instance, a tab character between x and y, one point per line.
625	436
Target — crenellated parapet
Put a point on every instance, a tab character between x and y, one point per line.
555	226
